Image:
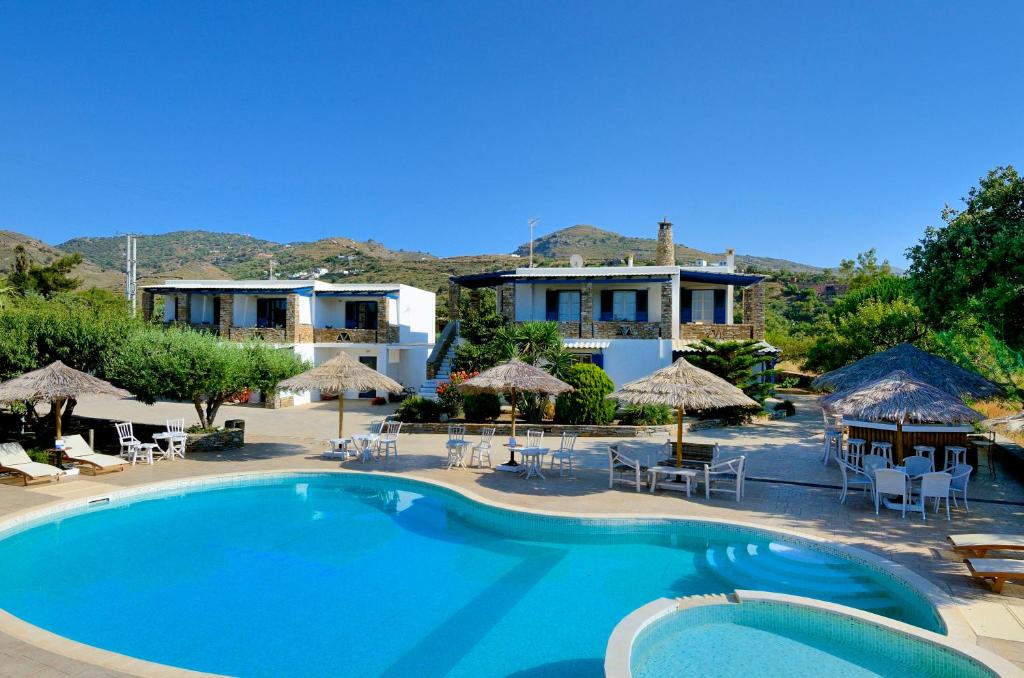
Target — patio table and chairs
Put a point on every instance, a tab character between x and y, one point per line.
687	476
132	448
174	438
365	444
338	448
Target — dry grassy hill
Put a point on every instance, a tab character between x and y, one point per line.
92	275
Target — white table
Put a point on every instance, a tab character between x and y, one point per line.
364	443
533	459
169	440
339	448
687	474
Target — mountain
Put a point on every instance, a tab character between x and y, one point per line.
92	275
598	246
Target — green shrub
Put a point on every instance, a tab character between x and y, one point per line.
481	407
587	404
417	409
648	415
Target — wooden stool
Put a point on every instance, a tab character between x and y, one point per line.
926	451
855	451
883	450
955	456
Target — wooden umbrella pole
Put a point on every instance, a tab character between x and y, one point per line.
341	413
513	414
56	414
679	437
899	441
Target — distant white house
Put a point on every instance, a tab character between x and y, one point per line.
631	320
388	327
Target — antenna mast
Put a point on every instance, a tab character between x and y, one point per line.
131	270
532	222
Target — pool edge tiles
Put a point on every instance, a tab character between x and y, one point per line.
488	512
933	653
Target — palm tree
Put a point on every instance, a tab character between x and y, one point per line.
538	344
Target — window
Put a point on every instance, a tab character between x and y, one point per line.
271	313
703	306
568	306
624	305
361	315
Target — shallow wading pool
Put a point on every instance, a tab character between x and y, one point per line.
331	574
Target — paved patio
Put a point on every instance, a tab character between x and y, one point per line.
789	489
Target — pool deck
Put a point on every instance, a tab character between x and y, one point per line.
780	453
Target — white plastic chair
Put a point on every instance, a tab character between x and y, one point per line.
916	466
387	443
564	454
456	446
176	437
872	462
889	481
854	477
126	435
935	486
534	438
961	475
482	450
621	463
727	472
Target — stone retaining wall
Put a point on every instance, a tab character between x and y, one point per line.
585	431
226	439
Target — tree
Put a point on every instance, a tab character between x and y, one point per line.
182	364
588	403
735	361
974	265
28	277
864	270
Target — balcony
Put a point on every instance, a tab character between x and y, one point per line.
699	331
341	335
609	329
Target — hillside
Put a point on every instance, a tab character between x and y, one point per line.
598	246
91	274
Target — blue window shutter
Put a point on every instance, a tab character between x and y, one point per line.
351	315
641	305
686	306
606	305
597	359
720	307
551	305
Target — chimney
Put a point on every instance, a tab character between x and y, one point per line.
730	257
666	252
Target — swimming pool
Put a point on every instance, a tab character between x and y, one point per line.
777	635
328	574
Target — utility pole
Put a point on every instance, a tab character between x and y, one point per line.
532	222
131	270
272	262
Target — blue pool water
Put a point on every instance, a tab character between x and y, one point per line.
356	575
779	640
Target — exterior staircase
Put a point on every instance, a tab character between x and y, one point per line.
440	361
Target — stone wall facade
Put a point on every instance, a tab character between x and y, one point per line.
621	329
667	318
183	308
226	439
665	255
274	335
507	301
343	336
719	332
454	295
148	301
227	314
754	310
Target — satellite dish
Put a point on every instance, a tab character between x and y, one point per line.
576	261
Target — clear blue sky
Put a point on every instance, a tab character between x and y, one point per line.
809	131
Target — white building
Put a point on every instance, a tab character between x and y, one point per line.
631	320
388	327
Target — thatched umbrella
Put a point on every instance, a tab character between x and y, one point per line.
900	398
683	386
920	365
511	377
55	384
339	374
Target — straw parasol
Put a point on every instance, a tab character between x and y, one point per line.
55	384
684	386
513	376
920	365
900	398
339	374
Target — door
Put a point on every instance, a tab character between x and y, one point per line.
371	362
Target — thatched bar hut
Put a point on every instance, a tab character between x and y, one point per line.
904	411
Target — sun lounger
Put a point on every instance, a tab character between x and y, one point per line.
996	571
977	545
14	459
77	450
